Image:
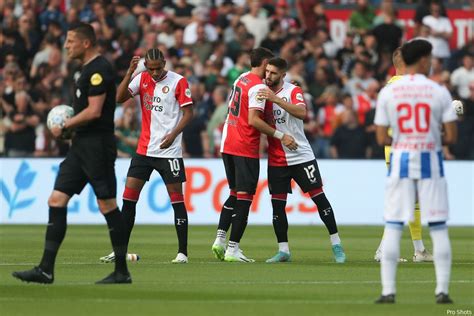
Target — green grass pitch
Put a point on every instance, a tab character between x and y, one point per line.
310	285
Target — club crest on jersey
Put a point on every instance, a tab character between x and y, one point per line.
299	97
165	89
96	79
187	92
149	103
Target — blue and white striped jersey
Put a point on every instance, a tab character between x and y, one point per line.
415	108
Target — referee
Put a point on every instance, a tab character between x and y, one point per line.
90	159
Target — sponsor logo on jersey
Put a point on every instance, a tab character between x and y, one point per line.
96	79
150	103
165	89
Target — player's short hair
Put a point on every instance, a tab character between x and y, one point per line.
154	54
258	55
84	31
278	62
414	50
397	57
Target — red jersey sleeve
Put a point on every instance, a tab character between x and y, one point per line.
183	93
297	97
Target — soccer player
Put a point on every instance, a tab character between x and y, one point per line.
240	153
417	110
165	101
286	114
90	159
421	254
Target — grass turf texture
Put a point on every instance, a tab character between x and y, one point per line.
310	285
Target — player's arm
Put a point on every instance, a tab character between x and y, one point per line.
382	136
297	109
90	113
123	91
187	117
449	118
255	120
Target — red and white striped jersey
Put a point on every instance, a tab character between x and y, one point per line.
278	154
238	137
415	108
161	103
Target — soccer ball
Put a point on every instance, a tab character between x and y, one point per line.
58	116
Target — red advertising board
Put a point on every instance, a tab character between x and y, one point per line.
461	20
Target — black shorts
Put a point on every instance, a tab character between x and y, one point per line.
242	172
91	159
171	170
305	174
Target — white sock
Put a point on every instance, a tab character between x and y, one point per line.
335	240
418	245
390	255
232	247
441	257
221	236
283	246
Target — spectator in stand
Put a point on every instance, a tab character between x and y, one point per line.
52	13
127	130
20	133
154	9
463	76
387	33
440	31
366	101
256	21
215	125
360	80
327	120
311	15
241	65
200	18
349	140
105	21
125	20
362	18
202	47
282	15
275	38
181	12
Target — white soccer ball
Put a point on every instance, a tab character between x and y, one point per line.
58	116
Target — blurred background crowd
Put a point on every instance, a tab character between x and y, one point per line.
208	42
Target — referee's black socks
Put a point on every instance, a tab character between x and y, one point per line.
128	212
117	232
55	233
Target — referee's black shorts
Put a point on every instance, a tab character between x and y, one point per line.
91	159
242	172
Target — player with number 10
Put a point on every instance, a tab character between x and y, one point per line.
165	101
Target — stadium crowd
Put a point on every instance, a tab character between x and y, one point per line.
208	43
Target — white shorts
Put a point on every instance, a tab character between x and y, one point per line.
401	194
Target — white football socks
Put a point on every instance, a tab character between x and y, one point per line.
441	257
232	248
418	245
221	237
335	240
284	247
390	255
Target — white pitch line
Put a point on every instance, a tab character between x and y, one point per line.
149	262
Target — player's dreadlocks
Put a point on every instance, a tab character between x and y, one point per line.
154	54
